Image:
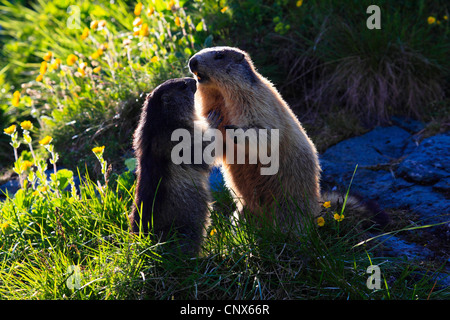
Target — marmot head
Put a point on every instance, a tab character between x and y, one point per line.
171	103
223	67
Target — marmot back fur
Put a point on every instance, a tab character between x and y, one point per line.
173	198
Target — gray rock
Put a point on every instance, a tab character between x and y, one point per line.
9	188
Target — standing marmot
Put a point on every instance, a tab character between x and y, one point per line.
173	198
229	84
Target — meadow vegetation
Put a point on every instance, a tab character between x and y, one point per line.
70	98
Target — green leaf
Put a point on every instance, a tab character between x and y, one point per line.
63	176
208	41
131	163
199	26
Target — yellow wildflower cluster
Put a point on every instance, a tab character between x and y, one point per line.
71	59
54	64
434	20
45	141
336	216
98	150
10	130
26	125
4	226
26	165
85	33
16	99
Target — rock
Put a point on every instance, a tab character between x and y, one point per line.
379	146
398	172
394	246
10	188
429	162
216	179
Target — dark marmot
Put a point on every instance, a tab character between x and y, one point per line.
229	84
173	197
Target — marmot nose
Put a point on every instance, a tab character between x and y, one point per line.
193	64
191	83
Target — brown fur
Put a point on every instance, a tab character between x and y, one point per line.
229	84
173	198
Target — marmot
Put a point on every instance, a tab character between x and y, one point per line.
229	84
173	197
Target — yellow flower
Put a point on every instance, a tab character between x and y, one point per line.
327	204
171	4
320	221
212	232
45	141
10	130
144	30
94	24
39	78
81	71
224	9
71	59
26	125
16	99
150	11
97	70
95	55
4	225
137	22
154	59
98	150
178	21
431	20
445	17
102	23
55	65
26	165
43	68
299	3
48	56
98	53
338	217
138	9
85	33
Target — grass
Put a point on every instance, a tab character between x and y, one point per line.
45	235
322	56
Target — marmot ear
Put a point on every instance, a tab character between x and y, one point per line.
241	57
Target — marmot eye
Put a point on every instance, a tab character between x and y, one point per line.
219	56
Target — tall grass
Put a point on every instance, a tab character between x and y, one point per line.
322	56
45	237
